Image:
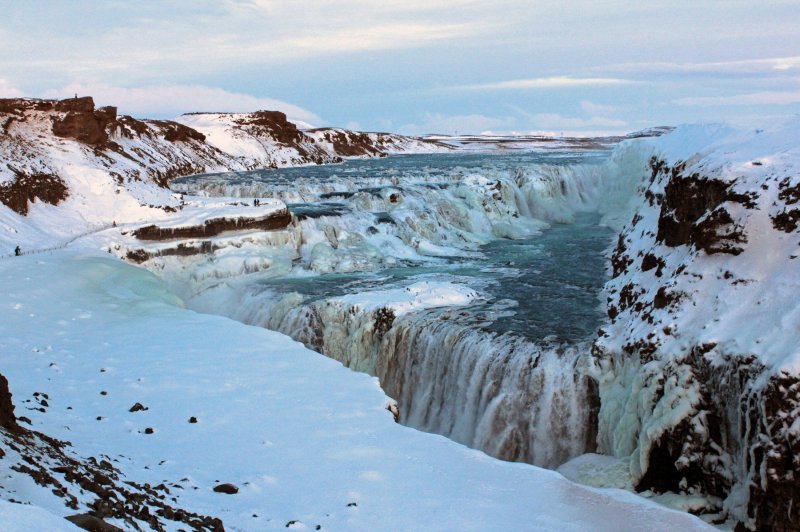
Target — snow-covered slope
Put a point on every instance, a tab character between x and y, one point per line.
307	443
67	168
699	368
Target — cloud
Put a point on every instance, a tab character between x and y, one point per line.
375	38
557	121
755	98
741	66
7	90
592	108
157	39
555	82
173	100
462	124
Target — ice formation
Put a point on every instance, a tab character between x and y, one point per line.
692	385
698	369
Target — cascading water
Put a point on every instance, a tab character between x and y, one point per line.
502	372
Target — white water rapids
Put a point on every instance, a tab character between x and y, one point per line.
504	374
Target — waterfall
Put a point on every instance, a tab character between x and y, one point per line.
513	398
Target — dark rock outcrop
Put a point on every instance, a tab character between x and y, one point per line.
7	419
27	188
227	488
81	122
693	212
175	132
92	523
215	226
274	124
183	249
351	143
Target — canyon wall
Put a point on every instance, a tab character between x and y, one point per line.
698	370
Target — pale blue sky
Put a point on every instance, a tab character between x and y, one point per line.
416	66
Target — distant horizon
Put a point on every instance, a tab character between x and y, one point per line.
417	67
302	125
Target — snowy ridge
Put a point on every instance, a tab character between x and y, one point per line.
699	369
66	166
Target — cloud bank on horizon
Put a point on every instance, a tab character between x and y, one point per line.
416	66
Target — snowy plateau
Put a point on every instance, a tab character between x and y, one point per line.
177	281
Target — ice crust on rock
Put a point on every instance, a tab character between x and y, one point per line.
698	369
414	297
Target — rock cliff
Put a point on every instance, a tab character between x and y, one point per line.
699	371
98	166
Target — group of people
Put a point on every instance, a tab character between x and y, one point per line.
256	202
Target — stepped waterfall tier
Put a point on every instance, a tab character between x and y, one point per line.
468	284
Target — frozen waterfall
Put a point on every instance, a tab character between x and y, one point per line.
519	393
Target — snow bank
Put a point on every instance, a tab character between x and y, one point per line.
23	518
303	438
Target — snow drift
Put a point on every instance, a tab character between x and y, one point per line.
305	441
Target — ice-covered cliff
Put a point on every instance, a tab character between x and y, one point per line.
99	167
699	368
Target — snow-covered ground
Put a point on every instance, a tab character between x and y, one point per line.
698	361
304	439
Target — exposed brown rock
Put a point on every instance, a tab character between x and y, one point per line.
228	488
787	220
20	105
384	318
28	188
81	122
350	143
92	523
693	212
716	233
215	226
130	127
686	199
175	132
7	419
275	124
138	407
84	104
139	256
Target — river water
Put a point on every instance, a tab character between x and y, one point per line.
504	373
